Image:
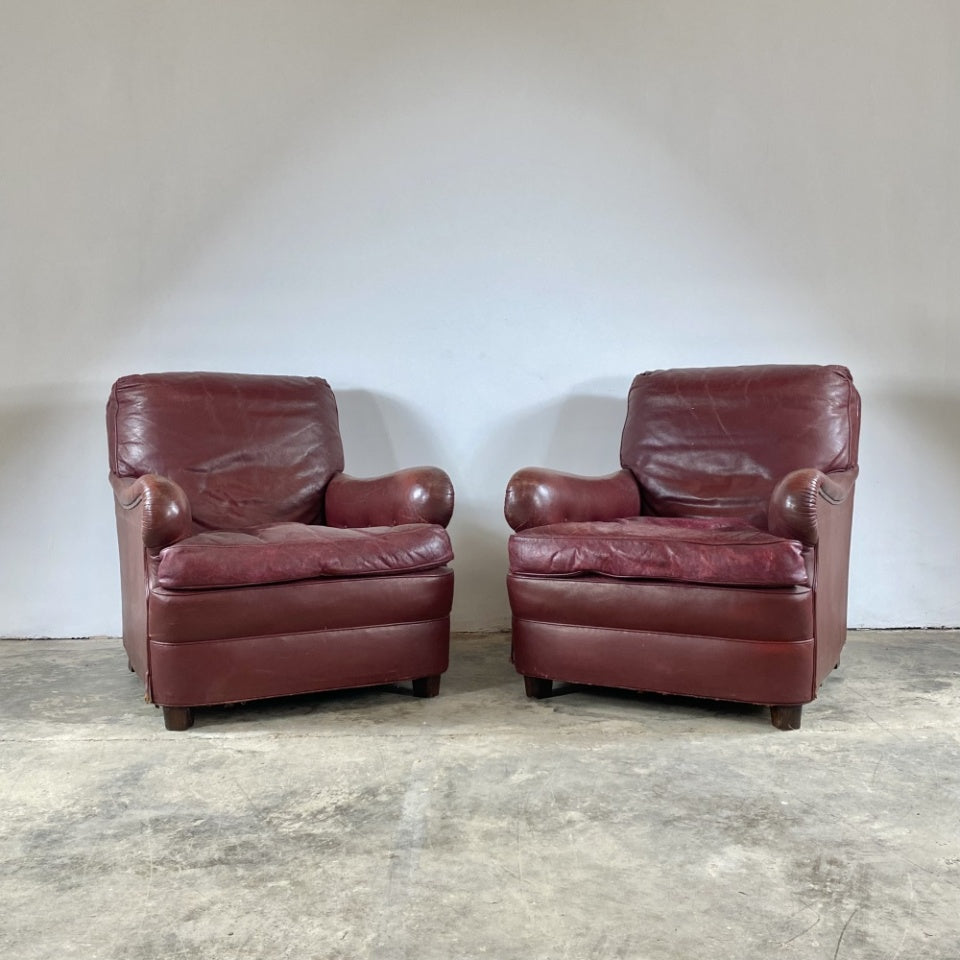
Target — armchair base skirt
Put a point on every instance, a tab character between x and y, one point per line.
611	633
290	639
255	668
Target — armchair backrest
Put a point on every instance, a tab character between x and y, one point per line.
716	441
246	449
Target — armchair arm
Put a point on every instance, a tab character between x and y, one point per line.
414	495
162	505
537	496
798	499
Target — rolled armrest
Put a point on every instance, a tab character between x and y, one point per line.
162	505
798	499
537	496
414	495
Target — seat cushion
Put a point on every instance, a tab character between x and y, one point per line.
282	552
688	549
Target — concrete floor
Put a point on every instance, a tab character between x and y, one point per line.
370	824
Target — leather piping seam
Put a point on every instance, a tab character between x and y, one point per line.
628	578
296	633
663	633
203	588
440	572
569	578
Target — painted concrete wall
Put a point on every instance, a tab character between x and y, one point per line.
478	220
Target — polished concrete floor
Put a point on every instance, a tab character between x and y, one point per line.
370	824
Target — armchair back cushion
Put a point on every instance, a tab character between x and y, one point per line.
271	444
714	442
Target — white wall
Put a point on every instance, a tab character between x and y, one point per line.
478	220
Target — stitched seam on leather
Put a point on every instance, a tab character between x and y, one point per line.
603	538
733	585
257	543
440	571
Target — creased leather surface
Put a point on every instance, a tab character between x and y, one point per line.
658	548
295	551
715	441
245	449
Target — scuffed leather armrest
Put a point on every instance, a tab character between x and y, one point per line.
414	495
798	498
161	504
537	496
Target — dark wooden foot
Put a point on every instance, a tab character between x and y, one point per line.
786	718
426	686
537	687
177	718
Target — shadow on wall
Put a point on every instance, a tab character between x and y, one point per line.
572	433
924	427
905	528
930	422
480	548
588	432
374	426
74	415
56	516
577	433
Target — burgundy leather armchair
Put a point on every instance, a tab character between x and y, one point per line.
714	563
251	566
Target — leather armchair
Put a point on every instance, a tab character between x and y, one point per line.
715	562
251	565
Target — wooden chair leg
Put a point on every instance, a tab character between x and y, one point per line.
537	687
786	718
426	686
177	718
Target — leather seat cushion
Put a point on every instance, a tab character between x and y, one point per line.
281	552
688	549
